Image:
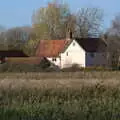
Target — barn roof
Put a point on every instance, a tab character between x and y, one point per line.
50	48
12	53
92	44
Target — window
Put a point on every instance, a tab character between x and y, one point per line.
54	59
73	44
67	53
92	55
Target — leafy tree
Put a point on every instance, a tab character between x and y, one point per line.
30	45
51	22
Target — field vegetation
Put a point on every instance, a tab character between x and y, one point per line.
60	96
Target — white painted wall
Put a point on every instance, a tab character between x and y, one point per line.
99	59
74	54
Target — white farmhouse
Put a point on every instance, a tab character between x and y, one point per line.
85	52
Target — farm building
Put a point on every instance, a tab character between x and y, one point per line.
11	53
84	52
19	57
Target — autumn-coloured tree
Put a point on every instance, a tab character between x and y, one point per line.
51	22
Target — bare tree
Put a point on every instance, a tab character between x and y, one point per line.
114	30
14	38
89	22
113	42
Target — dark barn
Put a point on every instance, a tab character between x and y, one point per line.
11	53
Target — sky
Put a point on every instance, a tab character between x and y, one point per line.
19	12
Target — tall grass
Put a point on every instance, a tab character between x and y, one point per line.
73	100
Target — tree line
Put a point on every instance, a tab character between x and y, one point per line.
53	21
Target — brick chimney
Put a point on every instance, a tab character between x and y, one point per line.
69	34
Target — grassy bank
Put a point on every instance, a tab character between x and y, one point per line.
60	96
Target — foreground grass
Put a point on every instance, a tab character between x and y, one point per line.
64	96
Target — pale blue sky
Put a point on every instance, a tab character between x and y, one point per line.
18	12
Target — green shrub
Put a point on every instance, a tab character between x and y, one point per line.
7	67
10	67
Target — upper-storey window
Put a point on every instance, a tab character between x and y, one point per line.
67	53
73	44
92	55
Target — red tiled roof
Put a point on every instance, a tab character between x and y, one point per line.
50	48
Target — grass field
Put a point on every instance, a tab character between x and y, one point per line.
60	96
